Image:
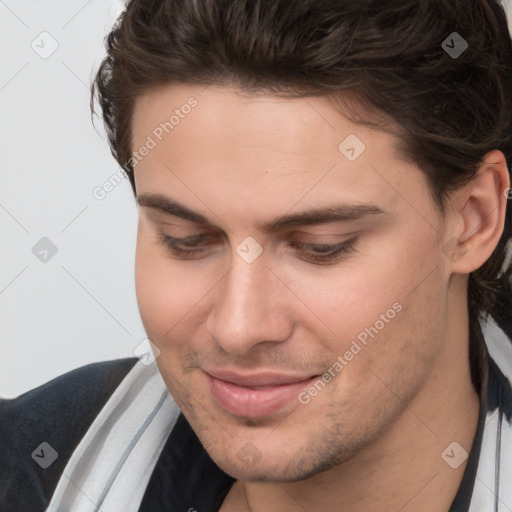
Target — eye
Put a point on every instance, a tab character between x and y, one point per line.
185	248
325	253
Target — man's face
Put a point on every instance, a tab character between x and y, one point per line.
273	311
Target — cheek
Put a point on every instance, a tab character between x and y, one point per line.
403	271
166	295
353	295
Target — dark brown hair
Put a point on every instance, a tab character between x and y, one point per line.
450	110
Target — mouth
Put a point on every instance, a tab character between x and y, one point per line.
256	395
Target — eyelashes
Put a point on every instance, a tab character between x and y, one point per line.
325	252
197	246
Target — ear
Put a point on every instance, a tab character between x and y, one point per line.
478	215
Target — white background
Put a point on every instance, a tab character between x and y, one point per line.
80	306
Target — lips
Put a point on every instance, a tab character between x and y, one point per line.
255	395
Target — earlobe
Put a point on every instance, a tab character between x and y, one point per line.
483	205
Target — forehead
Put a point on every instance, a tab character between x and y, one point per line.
225	143
303	125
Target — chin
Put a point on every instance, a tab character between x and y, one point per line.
280	463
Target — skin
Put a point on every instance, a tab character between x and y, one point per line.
372	438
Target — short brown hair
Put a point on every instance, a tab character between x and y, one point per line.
451	110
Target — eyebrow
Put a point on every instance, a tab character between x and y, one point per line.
323	215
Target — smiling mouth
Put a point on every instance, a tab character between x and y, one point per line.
258	395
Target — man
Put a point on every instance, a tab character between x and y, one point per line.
323	193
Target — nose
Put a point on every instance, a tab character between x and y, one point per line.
250	308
